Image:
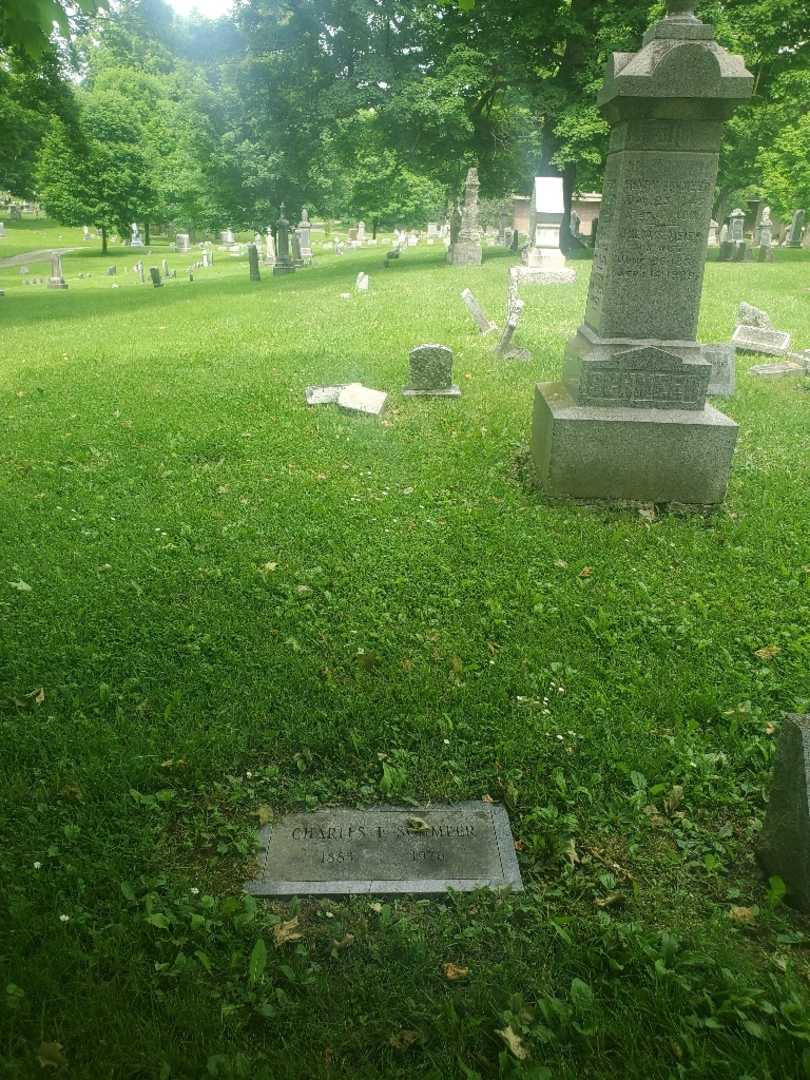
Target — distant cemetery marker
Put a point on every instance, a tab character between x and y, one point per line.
388	850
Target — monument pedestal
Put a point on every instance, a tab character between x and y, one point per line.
540	275
630	454
465	253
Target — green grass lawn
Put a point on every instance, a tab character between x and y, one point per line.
234	604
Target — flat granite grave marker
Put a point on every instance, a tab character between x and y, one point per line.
758	339
363	399
388	850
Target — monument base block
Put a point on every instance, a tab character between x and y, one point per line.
537	275
463	253
280	268
627	454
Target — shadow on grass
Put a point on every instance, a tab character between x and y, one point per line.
51	305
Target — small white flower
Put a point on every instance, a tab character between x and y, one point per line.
560	738
195	892
64	918
37	865
249	775
446	742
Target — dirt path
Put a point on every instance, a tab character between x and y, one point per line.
34	256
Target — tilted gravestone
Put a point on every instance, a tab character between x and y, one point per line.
431	372
485	325
784	846
629	420
253	262
164	265
504	348
361	282
363	399
388	849
758	339
796	229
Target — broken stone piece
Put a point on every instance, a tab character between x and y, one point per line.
358	398
324	395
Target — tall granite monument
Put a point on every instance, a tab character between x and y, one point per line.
629	421
466	248
284	263
544	261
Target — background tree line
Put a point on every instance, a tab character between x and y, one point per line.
361	108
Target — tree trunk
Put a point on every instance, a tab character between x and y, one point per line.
103	239
146	233
374	223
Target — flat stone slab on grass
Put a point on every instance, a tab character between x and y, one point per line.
388	849
447	391
787	367
757	339
324	395
358	398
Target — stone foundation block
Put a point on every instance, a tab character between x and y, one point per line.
628	454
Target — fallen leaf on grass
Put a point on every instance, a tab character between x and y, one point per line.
286	931
770	729
377	908
561	564
403	1039
20	586
28	701
264	813
453	972
50	1055
571	853
613	899
487	799
71	791
673	800
767	652
268	567
743	916
586	571
344	943
417	824
514	1042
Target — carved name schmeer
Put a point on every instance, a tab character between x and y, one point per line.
644	378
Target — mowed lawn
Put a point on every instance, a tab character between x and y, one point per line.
218	604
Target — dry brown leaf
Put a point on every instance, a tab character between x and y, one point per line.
770	729
28	701
417	824
344	943
487	799
453	972
264	813
519	845
673	800
743	916
514	1042
613	899
571	853
403	1039
286	931
768	652
376	908
406	664
50	1055
268	567
561	564
586	571
71	791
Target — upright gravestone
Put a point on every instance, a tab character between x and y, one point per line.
796	229
85	232
630	421
136	240
2	229
295	248
253	262
284	264
784	846
361	231
304	234
183	243
56	280
737	234
164	266
545	262
269	248
726	247
154	274
714	240
765	251
226	236
465	250
431	372
139	270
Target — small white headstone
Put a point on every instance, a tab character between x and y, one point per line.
362	282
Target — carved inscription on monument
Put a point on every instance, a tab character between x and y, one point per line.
648	267
388	850
644	378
